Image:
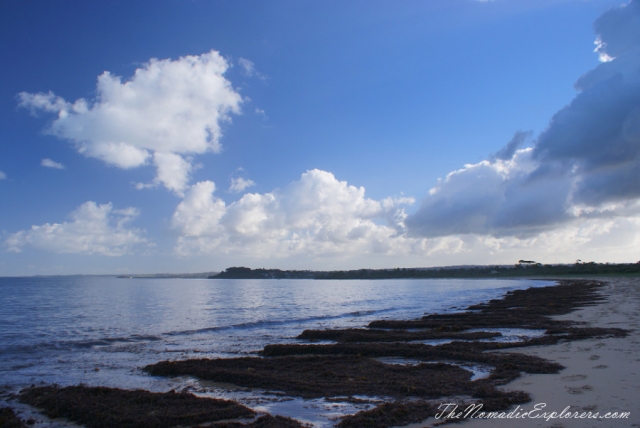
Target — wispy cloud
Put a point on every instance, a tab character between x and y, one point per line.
249	69
46	162
93	229
169	108
261	112
3	176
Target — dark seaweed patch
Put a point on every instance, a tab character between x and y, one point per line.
100	407
530	308
8	419
318	376
372	335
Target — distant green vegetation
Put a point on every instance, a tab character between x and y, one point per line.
524	268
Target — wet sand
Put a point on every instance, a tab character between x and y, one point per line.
600	375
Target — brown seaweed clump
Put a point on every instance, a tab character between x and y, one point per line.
100	407
325	376
8	419
339	375
371	335
530	308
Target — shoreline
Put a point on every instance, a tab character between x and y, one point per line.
368	345
600	375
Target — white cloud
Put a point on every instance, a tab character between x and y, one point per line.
601	50
167	109
2	175
316	215
247	66
590	239
249	69
199	212
239	184
173	171
51	164
261	112
93	229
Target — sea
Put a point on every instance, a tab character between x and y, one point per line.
101	331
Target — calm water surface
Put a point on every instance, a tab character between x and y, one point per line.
102	330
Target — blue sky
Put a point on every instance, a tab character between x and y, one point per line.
185	136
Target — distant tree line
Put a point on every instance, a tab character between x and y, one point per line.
524	268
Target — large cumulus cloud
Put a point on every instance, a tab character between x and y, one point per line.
168	109
586	162
317	214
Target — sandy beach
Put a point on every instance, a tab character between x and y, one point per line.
601	375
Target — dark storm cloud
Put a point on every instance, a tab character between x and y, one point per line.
598	134
588	156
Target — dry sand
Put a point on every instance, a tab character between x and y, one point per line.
601	375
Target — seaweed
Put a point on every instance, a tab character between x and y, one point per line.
8	419
373	335
325	376
101	407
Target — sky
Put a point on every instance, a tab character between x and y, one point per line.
191	135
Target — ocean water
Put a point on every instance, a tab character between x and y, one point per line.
103	330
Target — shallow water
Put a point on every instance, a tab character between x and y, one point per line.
102	330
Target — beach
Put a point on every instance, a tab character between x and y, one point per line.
587	362
600	375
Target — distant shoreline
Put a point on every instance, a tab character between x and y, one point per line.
523	269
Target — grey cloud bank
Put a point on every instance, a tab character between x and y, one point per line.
586	163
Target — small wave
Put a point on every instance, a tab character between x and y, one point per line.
77	344
106	341
510	334
270	323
